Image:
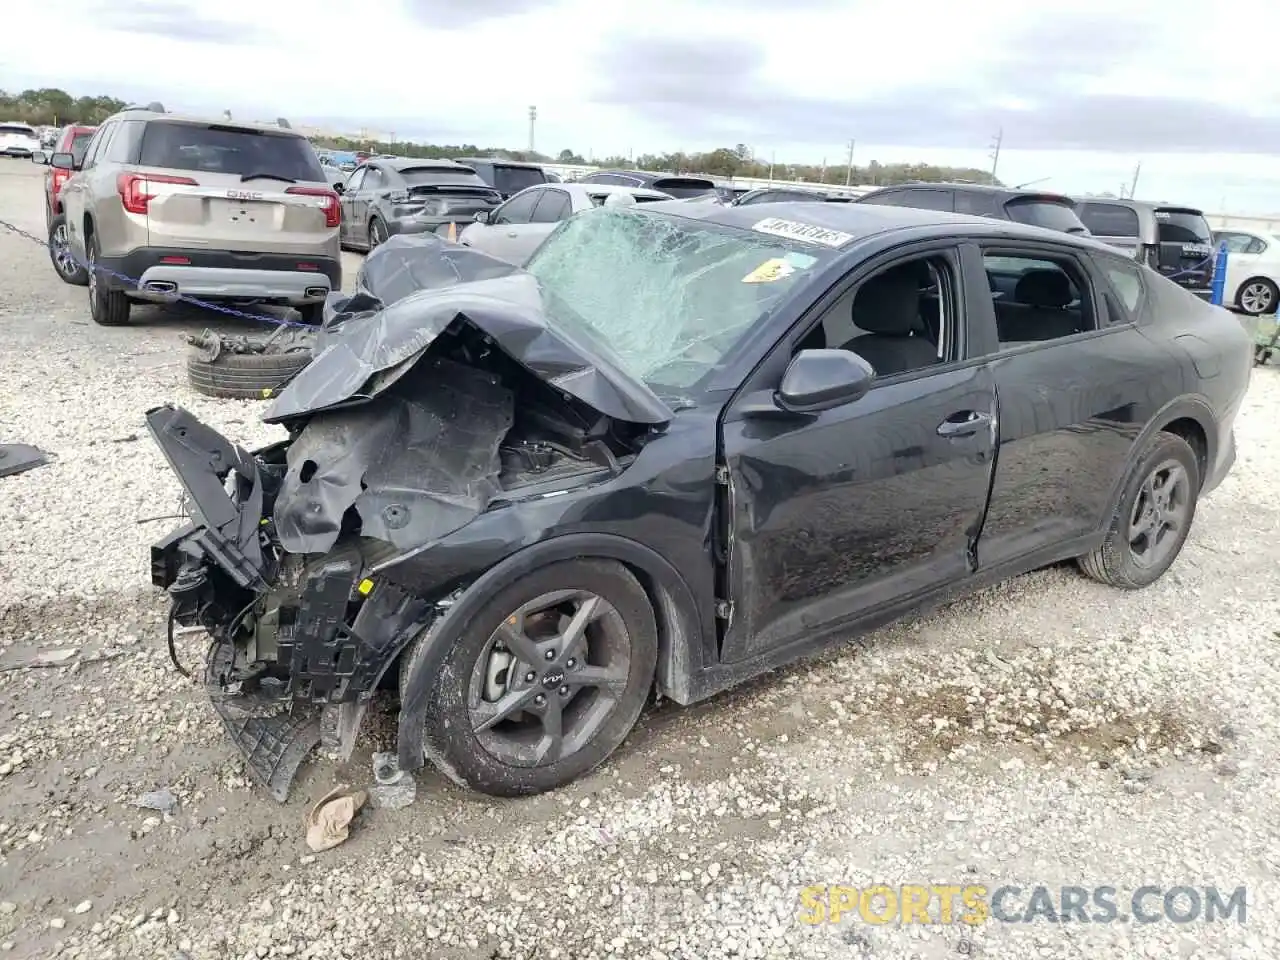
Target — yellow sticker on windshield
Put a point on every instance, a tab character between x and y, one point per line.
770	271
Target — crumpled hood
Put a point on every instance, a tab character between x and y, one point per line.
410	289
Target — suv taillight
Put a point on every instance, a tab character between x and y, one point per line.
59	178
132	188
332	211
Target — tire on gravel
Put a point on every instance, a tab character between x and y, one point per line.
449	741
245	376
1113	563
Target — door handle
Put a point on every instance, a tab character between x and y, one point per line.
963	424
512	234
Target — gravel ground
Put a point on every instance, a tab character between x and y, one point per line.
1049	731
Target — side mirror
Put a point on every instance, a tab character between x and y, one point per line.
482	216
338	188
821	379
39	157
63	161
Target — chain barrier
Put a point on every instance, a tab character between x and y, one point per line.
134	283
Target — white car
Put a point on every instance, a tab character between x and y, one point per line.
18	140
517	228
1253	270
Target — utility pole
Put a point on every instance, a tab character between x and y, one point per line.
772	159
533	121
822	175
848	174
995	152
1134	186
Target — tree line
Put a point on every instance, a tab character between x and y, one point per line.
54	107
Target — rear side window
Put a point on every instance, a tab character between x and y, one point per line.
975	205
1037	299
1050	214
515	179
79	144
225	149
1183	226
554	206
1126	278
1109	219
942	200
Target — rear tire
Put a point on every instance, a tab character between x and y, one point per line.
109	308
377	233
245	376
1120	561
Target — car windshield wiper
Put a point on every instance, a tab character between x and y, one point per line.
266	175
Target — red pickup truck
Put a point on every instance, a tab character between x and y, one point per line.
75	141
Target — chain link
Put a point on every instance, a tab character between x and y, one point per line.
132	282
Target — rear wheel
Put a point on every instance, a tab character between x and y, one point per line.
377	233
68	268
109	308
1153	518
546	681
1258	296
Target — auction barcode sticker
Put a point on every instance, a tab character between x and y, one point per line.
807	232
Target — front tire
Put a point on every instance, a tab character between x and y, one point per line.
546	680
69	269
1258	296
109	308
1153	518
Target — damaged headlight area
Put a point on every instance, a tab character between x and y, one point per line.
277	562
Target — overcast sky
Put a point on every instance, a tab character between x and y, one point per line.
1083	90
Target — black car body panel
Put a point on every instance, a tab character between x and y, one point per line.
758	534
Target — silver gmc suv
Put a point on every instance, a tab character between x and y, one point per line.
164	206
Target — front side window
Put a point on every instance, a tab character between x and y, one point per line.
669	297
519	209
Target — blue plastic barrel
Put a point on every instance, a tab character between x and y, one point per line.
1219	287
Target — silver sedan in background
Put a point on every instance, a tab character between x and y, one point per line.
517	228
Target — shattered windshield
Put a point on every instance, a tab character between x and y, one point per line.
669	297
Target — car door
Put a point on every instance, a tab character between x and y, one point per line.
835	516
1074	376
501	235
76	194
362	204
348	204
552	207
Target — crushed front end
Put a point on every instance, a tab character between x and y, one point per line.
438	391
299	641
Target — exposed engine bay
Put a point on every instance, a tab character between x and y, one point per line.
279	561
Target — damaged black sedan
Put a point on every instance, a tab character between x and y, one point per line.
685	445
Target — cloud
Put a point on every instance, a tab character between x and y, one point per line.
1042	89
460	14
174	20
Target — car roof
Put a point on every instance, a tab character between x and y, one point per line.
1150	205
601	188
500	161
417	163
987	188
864	220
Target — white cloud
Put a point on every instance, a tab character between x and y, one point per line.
443	77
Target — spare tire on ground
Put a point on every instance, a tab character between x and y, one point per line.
245	376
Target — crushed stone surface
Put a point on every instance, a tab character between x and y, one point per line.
1049	731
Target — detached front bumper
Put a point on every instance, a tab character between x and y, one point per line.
298	643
